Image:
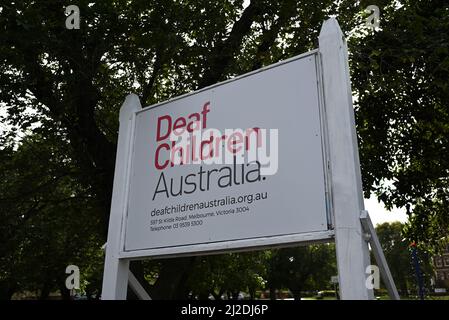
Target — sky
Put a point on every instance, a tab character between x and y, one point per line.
379	214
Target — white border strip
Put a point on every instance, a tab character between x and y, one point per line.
232	245
306	54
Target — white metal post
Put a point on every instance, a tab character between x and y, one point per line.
115	277
379	255
347	195
137	288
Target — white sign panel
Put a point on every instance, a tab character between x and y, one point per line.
175	199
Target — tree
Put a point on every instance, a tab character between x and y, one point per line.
75	80
48	220
228	274
69	85
399	76
302	268
397	252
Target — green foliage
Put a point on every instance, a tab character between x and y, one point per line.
302	268
397	251
48	220
400	78
228	275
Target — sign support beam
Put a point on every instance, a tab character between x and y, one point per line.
137	288
115	278
379	255
347	196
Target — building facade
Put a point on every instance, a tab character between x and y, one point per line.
441	264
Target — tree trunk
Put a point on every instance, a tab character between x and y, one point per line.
252	293
217	296
297	295
272	293
65	293
45	291
6	290
203	296
404	289
172	280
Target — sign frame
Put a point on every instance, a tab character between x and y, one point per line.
342	179
239	244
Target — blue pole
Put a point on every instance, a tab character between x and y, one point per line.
418	273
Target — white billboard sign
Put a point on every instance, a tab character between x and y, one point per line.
266	159
214	193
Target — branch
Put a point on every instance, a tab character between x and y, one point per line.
25	194
286	11
148	87
223	54
92	148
